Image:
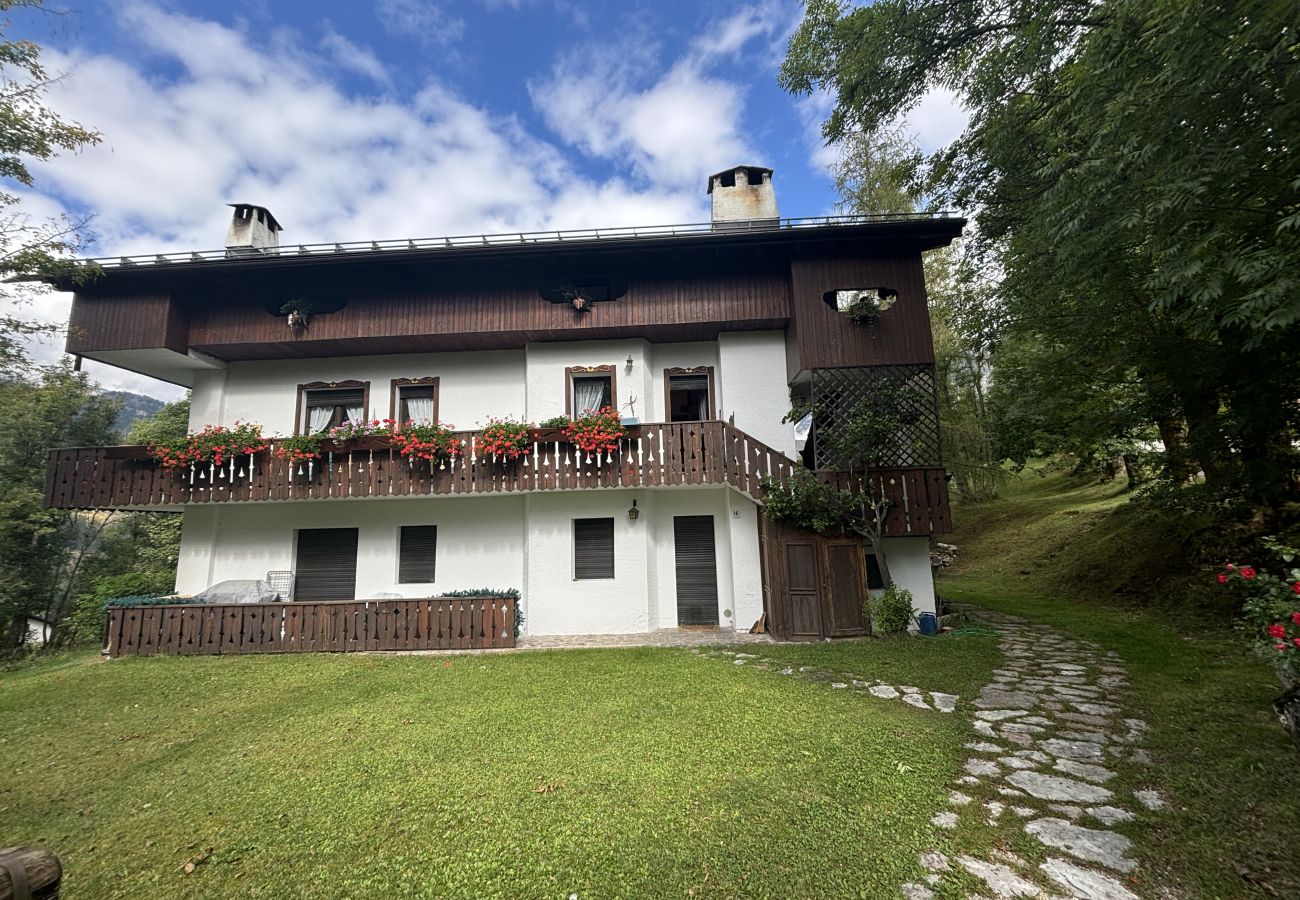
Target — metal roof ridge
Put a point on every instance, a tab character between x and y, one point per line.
503	239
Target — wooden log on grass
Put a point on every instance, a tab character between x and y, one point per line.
29	873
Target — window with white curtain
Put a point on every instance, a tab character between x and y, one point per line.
415	403
591	393
325	408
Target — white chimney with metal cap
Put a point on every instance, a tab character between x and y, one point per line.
743	196
252	230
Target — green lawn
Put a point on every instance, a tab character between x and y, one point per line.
1075	554
337	776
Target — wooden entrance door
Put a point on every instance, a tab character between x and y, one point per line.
844	565
326	564
697	570
815	585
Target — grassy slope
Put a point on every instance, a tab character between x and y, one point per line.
418	776
1075	554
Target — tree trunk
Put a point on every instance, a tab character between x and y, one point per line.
1173	434
37	868
1204	437
1130	471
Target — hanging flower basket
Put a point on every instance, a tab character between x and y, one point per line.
435	443
373	435
503	440
597	433
215	455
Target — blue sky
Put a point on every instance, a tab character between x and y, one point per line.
417	118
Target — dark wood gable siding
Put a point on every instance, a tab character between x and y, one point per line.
820	337
133	322
459	309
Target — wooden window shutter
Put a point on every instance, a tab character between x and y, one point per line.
593	548
417	552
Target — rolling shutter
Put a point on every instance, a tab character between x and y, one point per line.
416	553
326	566
593	548
697	570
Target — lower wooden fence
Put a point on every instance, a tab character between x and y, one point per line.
340	626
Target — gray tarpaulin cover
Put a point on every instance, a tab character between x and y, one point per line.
248	590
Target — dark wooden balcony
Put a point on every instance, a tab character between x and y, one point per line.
653	455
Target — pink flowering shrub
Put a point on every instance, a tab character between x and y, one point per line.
1270	608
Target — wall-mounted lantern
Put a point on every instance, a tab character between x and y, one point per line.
634	513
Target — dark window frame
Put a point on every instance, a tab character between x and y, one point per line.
300	426
403	564
395	394
669	374
571	372
591	530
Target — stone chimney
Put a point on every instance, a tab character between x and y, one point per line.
252	230
743	196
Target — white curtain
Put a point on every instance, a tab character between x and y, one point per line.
587	395
356	414
318	417
420	409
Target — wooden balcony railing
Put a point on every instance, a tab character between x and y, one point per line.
689	453
341	626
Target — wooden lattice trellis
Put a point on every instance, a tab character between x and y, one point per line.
836	393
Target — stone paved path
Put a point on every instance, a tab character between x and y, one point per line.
1051	739
1052	735
846	681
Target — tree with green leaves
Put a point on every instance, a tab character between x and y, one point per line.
1131	171
30	249
42	550
876	172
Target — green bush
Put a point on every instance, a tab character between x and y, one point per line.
555	422
890	611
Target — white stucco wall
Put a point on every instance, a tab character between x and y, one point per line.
754	388
480	541
909	564
546	363
471	387
679	356
524	541
749	382
557	603
690	503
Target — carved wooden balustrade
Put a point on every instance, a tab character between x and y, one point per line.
651	456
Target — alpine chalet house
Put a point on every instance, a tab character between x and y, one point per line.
700	337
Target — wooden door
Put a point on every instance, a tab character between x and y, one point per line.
803	589
697	570
326	564
844	587
814	585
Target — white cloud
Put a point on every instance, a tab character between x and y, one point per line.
728	37
232	126
353	57
672	131
938	120
425	20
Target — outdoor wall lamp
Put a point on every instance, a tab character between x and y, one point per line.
634	513
629	362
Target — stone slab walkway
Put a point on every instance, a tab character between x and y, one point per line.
846	681
1052	735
